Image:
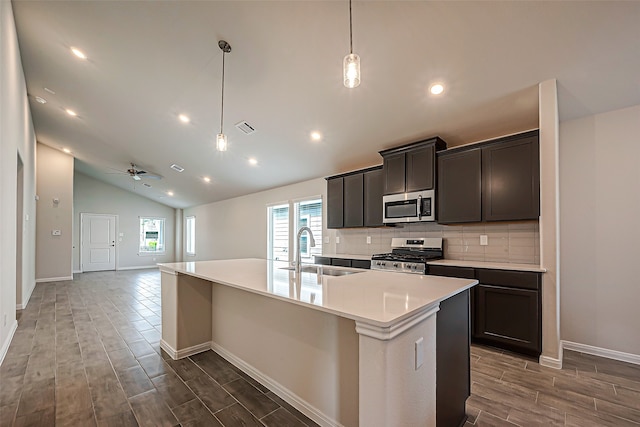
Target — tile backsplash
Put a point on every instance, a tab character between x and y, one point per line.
511	242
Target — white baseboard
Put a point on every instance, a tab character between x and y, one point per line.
54	279
142	267
7	342
287	395
26	301
602	352
185	352
20	307
550	362
76	272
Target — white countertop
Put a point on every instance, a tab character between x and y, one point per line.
375	297
490	265
347	256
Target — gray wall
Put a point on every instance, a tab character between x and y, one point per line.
16	138
92	196
55	181
599	206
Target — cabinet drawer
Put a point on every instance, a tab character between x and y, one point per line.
446	271
512	279
361	263
322	260
340	262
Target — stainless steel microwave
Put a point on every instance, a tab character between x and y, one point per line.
409	207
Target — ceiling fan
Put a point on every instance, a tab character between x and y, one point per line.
137	174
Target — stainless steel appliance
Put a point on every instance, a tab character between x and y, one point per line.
409	255
409	207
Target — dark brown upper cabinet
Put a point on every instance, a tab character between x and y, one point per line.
373	189
335	202
354	199
411	167
494	181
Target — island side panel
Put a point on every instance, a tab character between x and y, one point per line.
393	392
186	309
311	354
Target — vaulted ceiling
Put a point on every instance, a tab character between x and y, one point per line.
148	62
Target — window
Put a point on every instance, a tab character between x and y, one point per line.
190	235
283	229
151	235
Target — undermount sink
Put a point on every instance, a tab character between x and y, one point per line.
323	270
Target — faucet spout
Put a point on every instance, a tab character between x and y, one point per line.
312	243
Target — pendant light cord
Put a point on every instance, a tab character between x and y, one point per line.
350	30
222	103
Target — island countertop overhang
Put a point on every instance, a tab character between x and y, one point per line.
381	299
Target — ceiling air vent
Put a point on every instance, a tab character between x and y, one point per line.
245	127
177	168
146	185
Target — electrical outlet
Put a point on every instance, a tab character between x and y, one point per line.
484	240
368	240
419	352
337	239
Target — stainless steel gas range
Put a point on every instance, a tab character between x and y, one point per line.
409	255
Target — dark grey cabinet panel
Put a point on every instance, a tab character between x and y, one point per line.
460	187
335	202
507	311
394	173
321	260
420	169
361	263
511	179
341	262
447	271
353	200
453	374
373	189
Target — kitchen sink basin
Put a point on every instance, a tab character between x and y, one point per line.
324	270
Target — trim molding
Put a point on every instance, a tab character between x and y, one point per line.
76	272
284	393
54	279
185	352
26	301
141	267
390	332
550	362
7	343
602	352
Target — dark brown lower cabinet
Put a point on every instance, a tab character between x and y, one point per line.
507	313
453	381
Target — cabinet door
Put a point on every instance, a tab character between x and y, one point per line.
394	173
361	263
373	189
508	318
511	179
335	201
341	262
420	169
460	187
353	200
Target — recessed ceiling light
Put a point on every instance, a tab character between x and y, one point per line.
77	52
169	193
206	179
436	89
66	150
184	118
40	100
71	112
177	168
316	136
253	161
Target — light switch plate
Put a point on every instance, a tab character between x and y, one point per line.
368	240
56	232
484	240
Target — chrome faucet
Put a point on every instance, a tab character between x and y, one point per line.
298	261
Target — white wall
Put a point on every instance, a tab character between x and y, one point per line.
17	137
237	228
54	182
93	196
599	233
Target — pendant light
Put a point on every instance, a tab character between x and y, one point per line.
351	66
221	138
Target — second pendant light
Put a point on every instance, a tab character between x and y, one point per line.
351	64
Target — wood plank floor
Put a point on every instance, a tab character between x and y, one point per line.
87	353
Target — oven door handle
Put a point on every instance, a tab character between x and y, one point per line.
419	208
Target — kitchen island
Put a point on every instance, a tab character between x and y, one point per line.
345	349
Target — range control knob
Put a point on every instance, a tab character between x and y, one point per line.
395	264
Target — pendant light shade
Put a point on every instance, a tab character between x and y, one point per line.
351	64
221	138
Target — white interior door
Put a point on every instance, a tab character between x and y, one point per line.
98	242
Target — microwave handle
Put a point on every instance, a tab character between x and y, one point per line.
419	208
